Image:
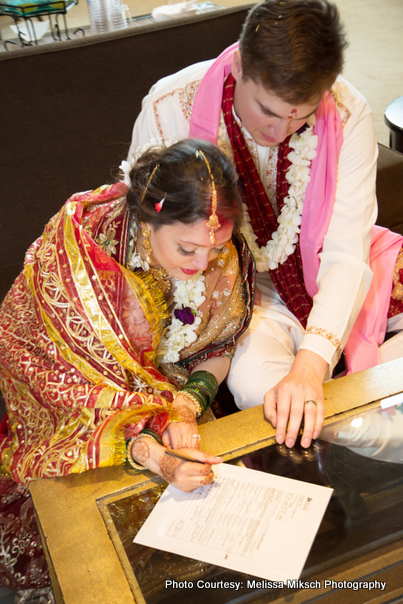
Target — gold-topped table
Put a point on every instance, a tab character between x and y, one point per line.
89	566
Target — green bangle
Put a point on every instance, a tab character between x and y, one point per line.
153	433
202	395
206	378
200	389
205	383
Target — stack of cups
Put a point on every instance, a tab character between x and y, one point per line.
106	15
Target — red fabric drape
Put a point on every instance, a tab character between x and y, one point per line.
288	277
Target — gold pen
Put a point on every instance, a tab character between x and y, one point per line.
182	455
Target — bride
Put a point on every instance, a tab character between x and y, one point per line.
117	333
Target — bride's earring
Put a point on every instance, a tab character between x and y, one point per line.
146	242
161	275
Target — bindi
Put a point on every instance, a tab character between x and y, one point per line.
292	114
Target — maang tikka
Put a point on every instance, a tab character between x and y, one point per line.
213	223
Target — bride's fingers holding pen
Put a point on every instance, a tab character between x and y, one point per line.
188	469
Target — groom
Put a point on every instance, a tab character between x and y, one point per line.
302	142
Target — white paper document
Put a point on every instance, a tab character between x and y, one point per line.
391	401
248	521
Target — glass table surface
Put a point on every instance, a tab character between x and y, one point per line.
365	512
88	520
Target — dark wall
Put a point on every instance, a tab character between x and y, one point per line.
68	111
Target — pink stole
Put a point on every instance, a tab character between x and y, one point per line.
368	332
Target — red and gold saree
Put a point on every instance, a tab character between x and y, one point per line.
75	375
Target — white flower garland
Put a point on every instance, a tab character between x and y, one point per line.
134	258
187	294
282	242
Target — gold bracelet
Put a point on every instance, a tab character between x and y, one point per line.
192	398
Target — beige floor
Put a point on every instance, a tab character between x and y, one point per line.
373	60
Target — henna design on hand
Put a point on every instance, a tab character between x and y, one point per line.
168	467
141	451
207	479
186	415
203	470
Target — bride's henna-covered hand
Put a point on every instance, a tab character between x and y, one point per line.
184	434
181	435
141	450
184	475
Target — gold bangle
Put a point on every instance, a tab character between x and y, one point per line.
192	398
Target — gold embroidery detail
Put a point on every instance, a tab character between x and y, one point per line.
345	114
397	290
108	339
321	331
106	239
221	326
186	99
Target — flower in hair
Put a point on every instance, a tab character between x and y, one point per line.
127	166
158	206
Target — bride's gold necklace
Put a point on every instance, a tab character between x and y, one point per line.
162	277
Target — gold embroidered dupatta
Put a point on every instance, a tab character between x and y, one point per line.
66	363
73	381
